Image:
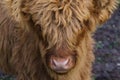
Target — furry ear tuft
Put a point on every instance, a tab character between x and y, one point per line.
103	9
17	13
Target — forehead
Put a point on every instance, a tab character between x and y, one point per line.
60	12
60	21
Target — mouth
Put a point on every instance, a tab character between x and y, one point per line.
61	71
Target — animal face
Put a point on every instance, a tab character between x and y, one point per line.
60	31
63	25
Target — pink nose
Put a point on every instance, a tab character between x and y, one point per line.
61	65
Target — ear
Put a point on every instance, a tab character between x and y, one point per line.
15	11
7	14
14	7
100	12
102	9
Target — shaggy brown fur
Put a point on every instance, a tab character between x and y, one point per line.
30	28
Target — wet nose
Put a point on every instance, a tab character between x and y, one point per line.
62	65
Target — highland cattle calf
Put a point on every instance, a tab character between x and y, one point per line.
50	39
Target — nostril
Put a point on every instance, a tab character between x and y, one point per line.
60	63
